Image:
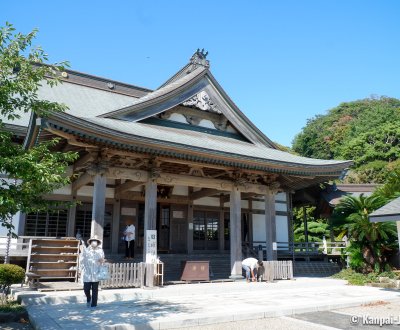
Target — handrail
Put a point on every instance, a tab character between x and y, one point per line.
320	247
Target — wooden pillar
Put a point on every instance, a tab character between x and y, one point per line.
99	204
71	219
270	224
190	224
235	234
221	227
115	235
150	210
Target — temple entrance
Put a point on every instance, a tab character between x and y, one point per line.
163	227
245	229
83	222
205	230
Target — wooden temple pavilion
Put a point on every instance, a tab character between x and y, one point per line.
181	159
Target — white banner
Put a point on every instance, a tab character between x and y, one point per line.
151	246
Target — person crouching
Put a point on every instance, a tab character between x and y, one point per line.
91	258
250	266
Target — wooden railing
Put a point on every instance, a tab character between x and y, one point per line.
322	247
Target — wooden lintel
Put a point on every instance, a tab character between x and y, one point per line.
243	196
205	192
126	186
183	180
83	180
138	196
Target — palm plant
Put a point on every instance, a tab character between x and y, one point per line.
370	242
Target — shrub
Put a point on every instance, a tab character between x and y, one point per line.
10	274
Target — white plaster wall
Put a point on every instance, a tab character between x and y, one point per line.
282	230
206	123
178	117
281	197
258	205
207	201
180	190
281	207
63	191
259	233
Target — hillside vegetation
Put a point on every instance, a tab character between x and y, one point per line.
365	131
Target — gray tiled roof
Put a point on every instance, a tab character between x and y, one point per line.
189	139
388	212
81	100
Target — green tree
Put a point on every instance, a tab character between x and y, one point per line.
39	170
366	131
316	228
370	243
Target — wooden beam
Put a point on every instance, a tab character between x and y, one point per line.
205	192
81	162
184	180
83	180
225	199
125	187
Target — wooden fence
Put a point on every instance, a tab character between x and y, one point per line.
125	275
278	270
134	275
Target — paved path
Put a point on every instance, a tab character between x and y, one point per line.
198	304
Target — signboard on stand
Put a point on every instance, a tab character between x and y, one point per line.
151	246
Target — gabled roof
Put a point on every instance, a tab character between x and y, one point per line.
389	212
124	126
182	87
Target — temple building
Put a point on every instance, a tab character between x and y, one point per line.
182	159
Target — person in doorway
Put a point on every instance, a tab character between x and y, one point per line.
129	238
91	258
250	266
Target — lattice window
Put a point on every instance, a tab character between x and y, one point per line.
83	221
51	224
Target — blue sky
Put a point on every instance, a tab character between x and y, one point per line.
282	62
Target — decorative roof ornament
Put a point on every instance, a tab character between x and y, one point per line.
199	58
201	101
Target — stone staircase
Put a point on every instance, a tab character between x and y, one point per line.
315	268
220	265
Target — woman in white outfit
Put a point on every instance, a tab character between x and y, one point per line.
91	258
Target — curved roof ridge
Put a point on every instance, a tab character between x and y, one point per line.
158	93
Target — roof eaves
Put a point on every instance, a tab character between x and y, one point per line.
98	133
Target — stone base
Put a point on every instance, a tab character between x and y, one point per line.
236	277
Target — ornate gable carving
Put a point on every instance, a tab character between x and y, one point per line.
203	102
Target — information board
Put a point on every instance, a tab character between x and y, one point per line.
151	246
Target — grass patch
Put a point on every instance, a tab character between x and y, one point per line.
11	306
355	278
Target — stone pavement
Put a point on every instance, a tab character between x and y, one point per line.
186	305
